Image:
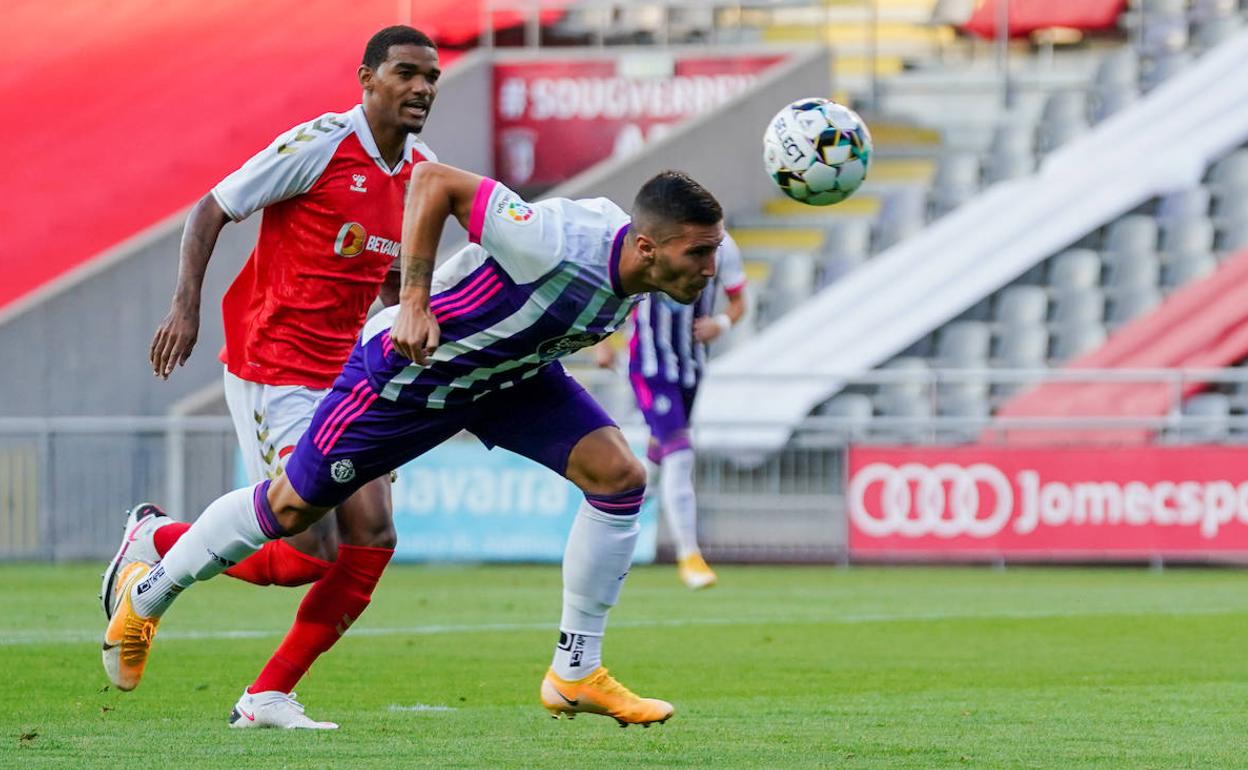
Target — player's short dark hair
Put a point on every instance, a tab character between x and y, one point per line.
673	197
378	48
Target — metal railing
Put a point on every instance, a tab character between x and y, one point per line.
65	482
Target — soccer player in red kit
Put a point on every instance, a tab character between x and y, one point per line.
332	191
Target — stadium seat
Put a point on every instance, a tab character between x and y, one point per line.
903	214
1120	68
1109	98
1078	306
854	410
1130	302
848	237
1215	30
1073	339
1020	306
1233	237
910	379
956	181
1184	268
1023	347
1184	204
1164	32
1229	205
1008	161
1230	172
1162	67
916	411
1063	118
1193	235
1207	413
1132	233
1131	270
963	344
1212	9
1075	269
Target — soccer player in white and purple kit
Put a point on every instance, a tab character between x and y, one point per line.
666	359
475	346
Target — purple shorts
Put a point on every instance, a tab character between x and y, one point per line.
666	407
356	436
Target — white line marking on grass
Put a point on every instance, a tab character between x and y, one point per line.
14	637
421	707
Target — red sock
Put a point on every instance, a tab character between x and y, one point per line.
164	537
278	563
331	605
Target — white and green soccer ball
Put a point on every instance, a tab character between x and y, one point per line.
817	151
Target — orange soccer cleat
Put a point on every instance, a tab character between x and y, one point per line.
600	693
128	637
695	572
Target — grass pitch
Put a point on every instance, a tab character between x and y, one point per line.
776	667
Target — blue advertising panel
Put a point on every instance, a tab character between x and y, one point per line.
462	502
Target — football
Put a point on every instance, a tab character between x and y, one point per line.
817	151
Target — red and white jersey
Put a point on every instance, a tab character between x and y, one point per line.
333	216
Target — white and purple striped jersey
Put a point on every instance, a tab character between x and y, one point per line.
539	281
663	346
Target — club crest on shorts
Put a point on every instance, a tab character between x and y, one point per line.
557	347
342	471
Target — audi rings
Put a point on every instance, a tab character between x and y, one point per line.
943	500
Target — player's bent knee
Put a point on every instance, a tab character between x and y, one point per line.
292	512
366	519
382	536
611	475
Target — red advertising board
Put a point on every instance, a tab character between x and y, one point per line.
1048	504
556	118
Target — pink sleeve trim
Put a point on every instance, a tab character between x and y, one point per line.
479	204
733	291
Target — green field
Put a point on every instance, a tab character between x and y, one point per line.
777	667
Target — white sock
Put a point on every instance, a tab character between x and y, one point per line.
226	533
595	563
653	474
577	655
680	504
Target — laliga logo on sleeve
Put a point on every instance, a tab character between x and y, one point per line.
520	213
516	210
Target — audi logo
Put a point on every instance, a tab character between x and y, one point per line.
944	500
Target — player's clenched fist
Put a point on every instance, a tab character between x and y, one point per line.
415	333
174	340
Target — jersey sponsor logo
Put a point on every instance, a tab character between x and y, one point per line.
557	347
351	240
342	471
357	183
379	245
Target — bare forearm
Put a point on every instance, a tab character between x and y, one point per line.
736	306
199	238
436	192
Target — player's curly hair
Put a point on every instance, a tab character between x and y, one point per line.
378	48
674	197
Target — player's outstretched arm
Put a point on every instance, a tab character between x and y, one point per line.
176	336
709	328
436	192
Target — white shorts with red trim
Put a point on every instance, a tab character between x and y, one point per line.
269	419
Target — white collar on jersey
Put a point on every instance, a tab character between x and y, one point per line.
360	123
